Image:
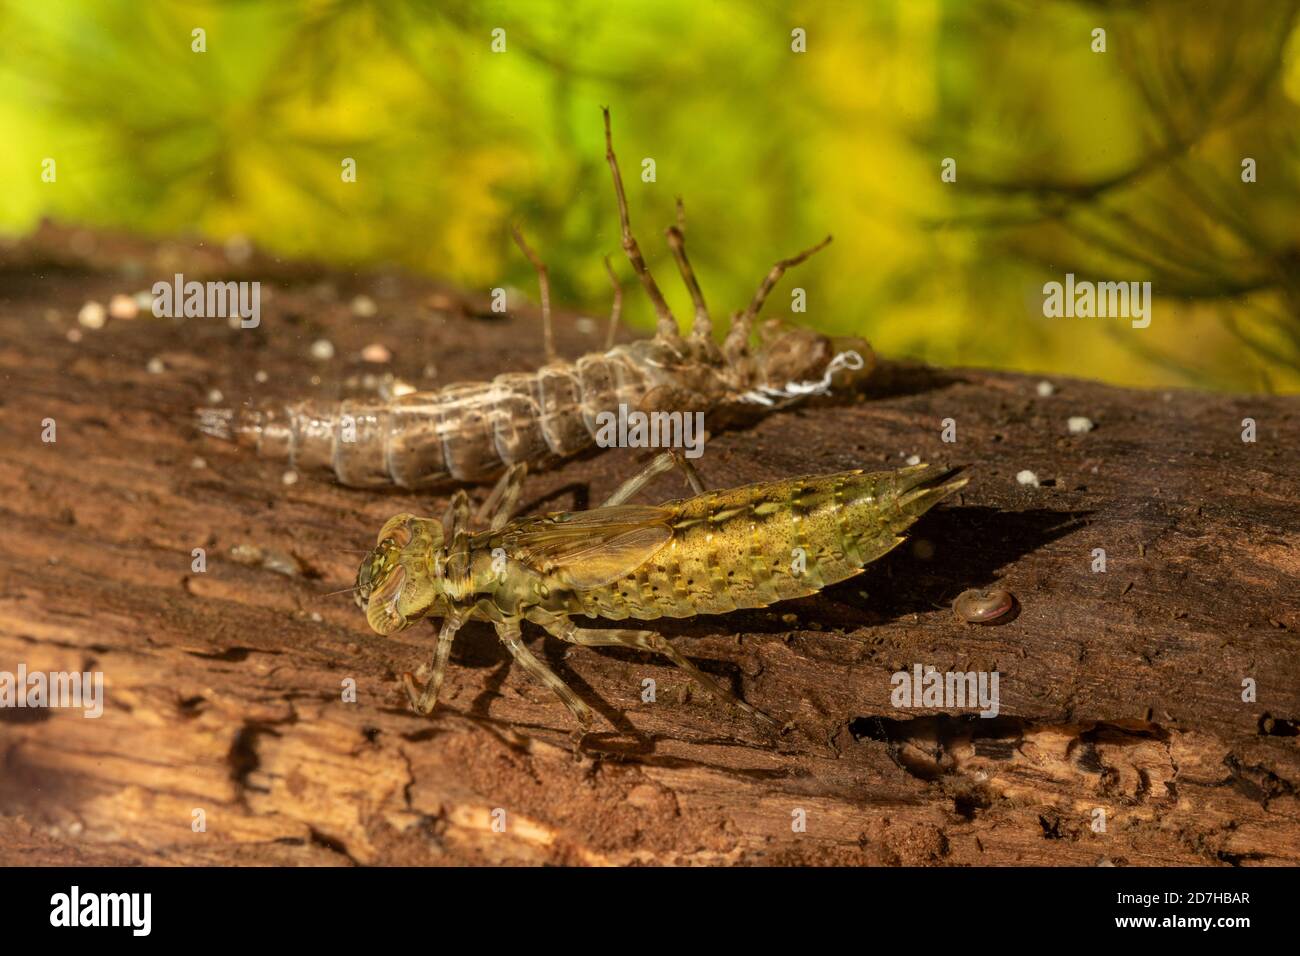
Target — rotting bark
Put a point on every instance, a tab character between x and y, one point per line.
1119	690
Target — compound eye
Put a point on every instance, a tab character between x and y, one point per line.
382	609
396	529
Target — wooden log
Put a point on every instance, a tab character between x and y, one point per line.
1123	692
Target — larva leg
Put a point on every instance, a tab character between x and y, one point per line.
423	700
692	476
455	528
616	310
735	347
658	465
703	326
508	631
500	505
765	287
566	630
456	517
667	326
650	641
544	284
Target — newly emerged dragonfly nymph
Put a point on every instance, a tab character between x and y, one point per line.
712	553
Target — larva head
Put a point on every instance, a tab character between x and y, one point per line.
796	354
397	582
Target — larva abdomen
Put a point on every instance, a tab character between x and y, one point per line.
466	432
754	546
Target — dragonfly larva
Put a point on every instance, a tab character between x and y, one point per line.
712	553
471	431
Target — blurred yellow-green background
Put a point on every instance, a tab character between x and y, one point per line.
1117	165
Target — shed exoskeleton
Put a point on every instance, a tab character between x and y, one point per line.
471	431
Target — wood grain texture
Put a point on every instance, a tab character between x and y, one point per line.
1119	690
